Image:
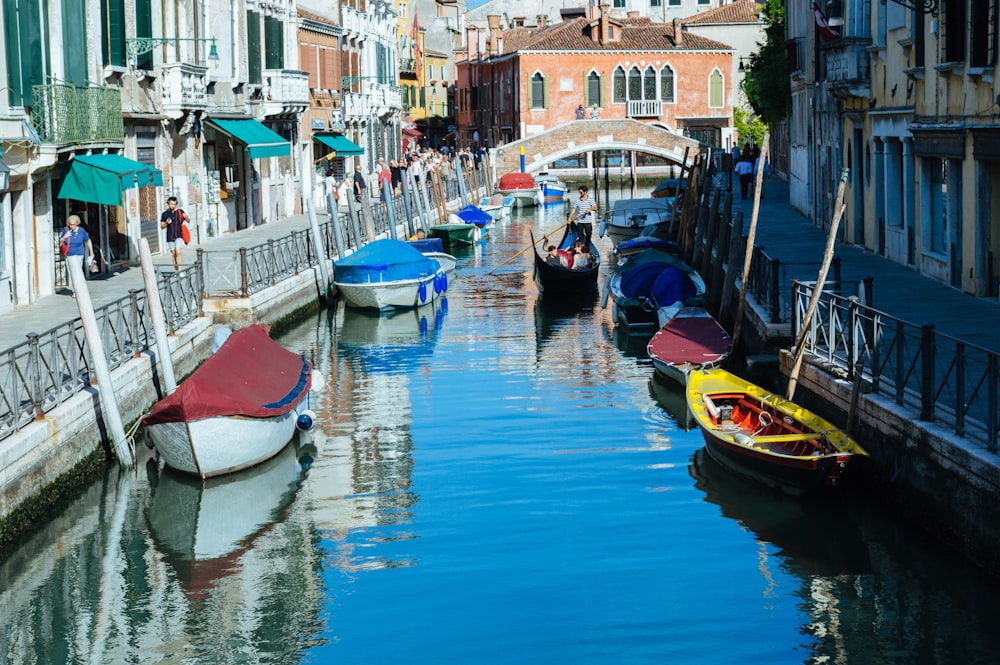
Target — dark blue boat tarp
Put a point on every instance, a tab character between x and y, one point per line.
385	260
474	215
647	242
656	274
427	245
671	286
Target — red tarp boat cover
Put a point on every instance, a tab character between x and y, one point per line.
250	375
510	181
690	339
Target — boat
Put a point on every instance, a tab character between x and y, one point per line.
561	280
455	234
521	187
641	242
497	206
629	217
433	248
765	437
652	285
387	274
690	341
551	190
238	409
471	215
669	188
204	528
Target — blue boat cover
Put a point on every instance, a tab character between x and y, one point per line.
385	260
657	274
474	215
428	245
671	286
649	241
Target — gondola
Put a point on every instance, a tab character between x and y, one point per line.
562	281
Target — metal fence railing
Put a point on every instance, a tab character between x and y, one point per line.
945	380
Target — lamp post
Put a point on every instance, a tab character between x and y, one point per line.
136	46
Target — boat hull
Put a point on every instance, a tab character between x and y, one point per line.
559	281
457	234
214	446
398	294
691	340
765	437
522	198
552	194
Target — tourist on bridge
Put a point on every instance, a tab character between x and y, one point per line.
595	113
580	112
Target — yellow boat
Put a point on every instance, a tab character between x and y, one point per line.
764	436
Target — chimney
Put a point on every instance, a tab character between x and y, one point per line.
678	33
493	21
500	45
632	14
605	11
472	41
540	20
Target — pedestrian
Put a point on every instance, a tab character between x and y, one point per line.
384	177
77	242
172	219
580	112
330	183
744	168
595	113
343	191
582	214
360	186
396	174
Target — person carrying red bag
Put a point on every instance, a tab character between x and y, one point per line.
173	220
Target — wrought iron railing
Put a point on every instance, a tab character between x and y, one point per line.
943	379
63	113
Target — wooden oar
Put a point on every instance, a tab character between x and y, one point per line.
528	247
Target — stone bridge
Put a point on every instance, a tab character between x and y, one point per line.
582	136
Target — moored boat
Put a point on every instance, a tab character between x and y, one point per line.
456	234
652	284
765	437
433	248
630	217
558	279
497	206
690	341
471	215
236	410
387	274
551	190
521	187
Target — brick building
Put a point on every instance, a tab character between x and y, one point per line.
514	82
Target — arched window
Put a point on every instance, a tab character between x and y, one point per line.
594	95
715	93
536	93
649	84
618	86
634	84
667	84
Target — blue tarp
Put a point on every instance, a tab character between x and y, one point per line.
473	215
658	275
427	245
648	241
383	260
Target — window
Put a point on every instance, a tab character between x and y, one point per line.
715	90
938	218
667	84
983	34
113	31
655	3
253	47
536	93
649	84
274	43
619	4
634	84
618	86
593	94
402	10
953	26
674	3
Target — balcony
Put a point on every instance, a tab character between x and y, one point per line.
286	91
848	67
355	106
63	113
796	59
645	108
183	88
407	68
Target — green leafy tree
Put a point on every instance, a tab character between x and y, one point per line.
765	82
749	126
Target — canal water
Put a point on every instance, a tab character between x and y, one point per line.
493	479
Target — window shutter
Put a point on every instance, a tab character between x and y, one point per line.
600	85
531	85
586	90
113	32
253	47
545	92
144	28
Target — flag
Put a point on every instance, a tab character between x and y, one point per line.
415	43
826	32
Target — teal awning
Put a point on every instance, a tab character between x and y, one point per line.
343	146
104	178
259	140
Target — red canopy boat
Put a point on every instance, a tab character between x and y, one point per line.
691	340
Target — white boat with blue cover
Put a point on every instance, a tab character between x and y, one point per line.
389	274
433	248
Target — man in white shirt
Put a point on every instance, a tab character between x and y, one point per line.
744	168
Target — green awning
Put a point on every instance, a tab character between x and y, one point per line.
259	140
104	178
343	146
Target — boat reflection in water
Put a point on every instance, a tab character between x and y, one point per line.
391	342
204	528
672	399
867	594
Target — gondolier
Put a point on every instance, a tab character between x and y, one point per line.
583	214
